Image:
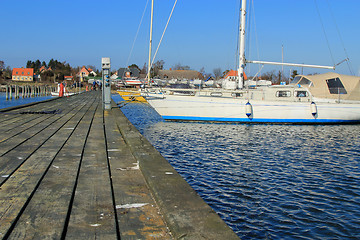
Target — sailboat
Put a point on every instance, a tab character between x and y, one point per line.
328	98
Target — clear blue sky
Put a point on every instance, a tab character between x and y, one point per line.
201	33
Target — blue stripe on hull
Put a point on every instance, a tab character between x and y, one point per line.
249	120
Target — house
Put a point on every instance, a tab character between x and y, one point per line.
23	74
180	74
232	75
43	69
85	72
128	73
68	78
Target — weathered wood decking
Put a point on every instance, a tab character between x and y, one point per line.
69	170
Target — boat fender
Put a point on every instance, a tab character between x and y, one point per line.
313	109
248	109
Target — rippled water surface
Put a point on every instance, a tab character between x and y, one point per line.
15	102
266	181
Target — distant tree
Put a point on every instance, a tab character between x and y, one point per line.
7	73
134	66
29	64
52	64
217	73
202	71
279	77
37	65
225	72
43	64
91	66
47	76
157	66
268	75
144	69
178	66
294	74
2	68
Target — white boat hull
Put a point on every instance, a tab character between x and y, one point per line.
216	109
56	94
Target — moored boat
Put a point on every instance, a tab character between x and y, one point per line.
317	99
328	98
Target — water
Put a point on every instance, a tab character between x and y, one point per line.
266	181
20	101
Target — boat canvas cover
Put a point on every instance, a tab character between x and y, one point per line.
321	89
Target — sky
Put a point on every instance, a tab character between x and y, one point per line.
201	33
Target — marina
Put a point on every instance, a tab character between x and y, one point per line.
228	120
71	170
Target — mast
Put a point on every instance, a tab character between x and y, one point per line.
242	45
150	42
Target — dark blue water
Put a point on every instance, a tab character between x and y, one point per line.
15	102
266	181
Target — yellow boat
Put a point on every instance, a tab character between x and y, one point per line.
131	95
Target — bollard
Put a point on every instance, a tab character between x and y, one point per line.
7	92
17	91
10	92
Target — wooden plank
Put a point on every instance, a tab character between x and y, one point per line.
138	215
50	204
22	116
14	116
8	140
92	215
13	159
69	109
21	186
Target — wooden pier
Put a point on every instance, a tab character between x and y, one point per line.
69	170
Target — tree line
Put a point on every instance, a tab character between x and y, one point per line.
273	76
53	71
56	70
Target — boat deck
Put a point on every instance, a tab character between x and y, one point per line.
70	170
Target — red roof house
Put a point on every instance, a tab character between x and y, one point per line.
68	78
23	74
84	72
232	74
43	68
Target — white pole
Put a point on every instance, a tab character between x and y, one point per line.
150	43
242	45
282	60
